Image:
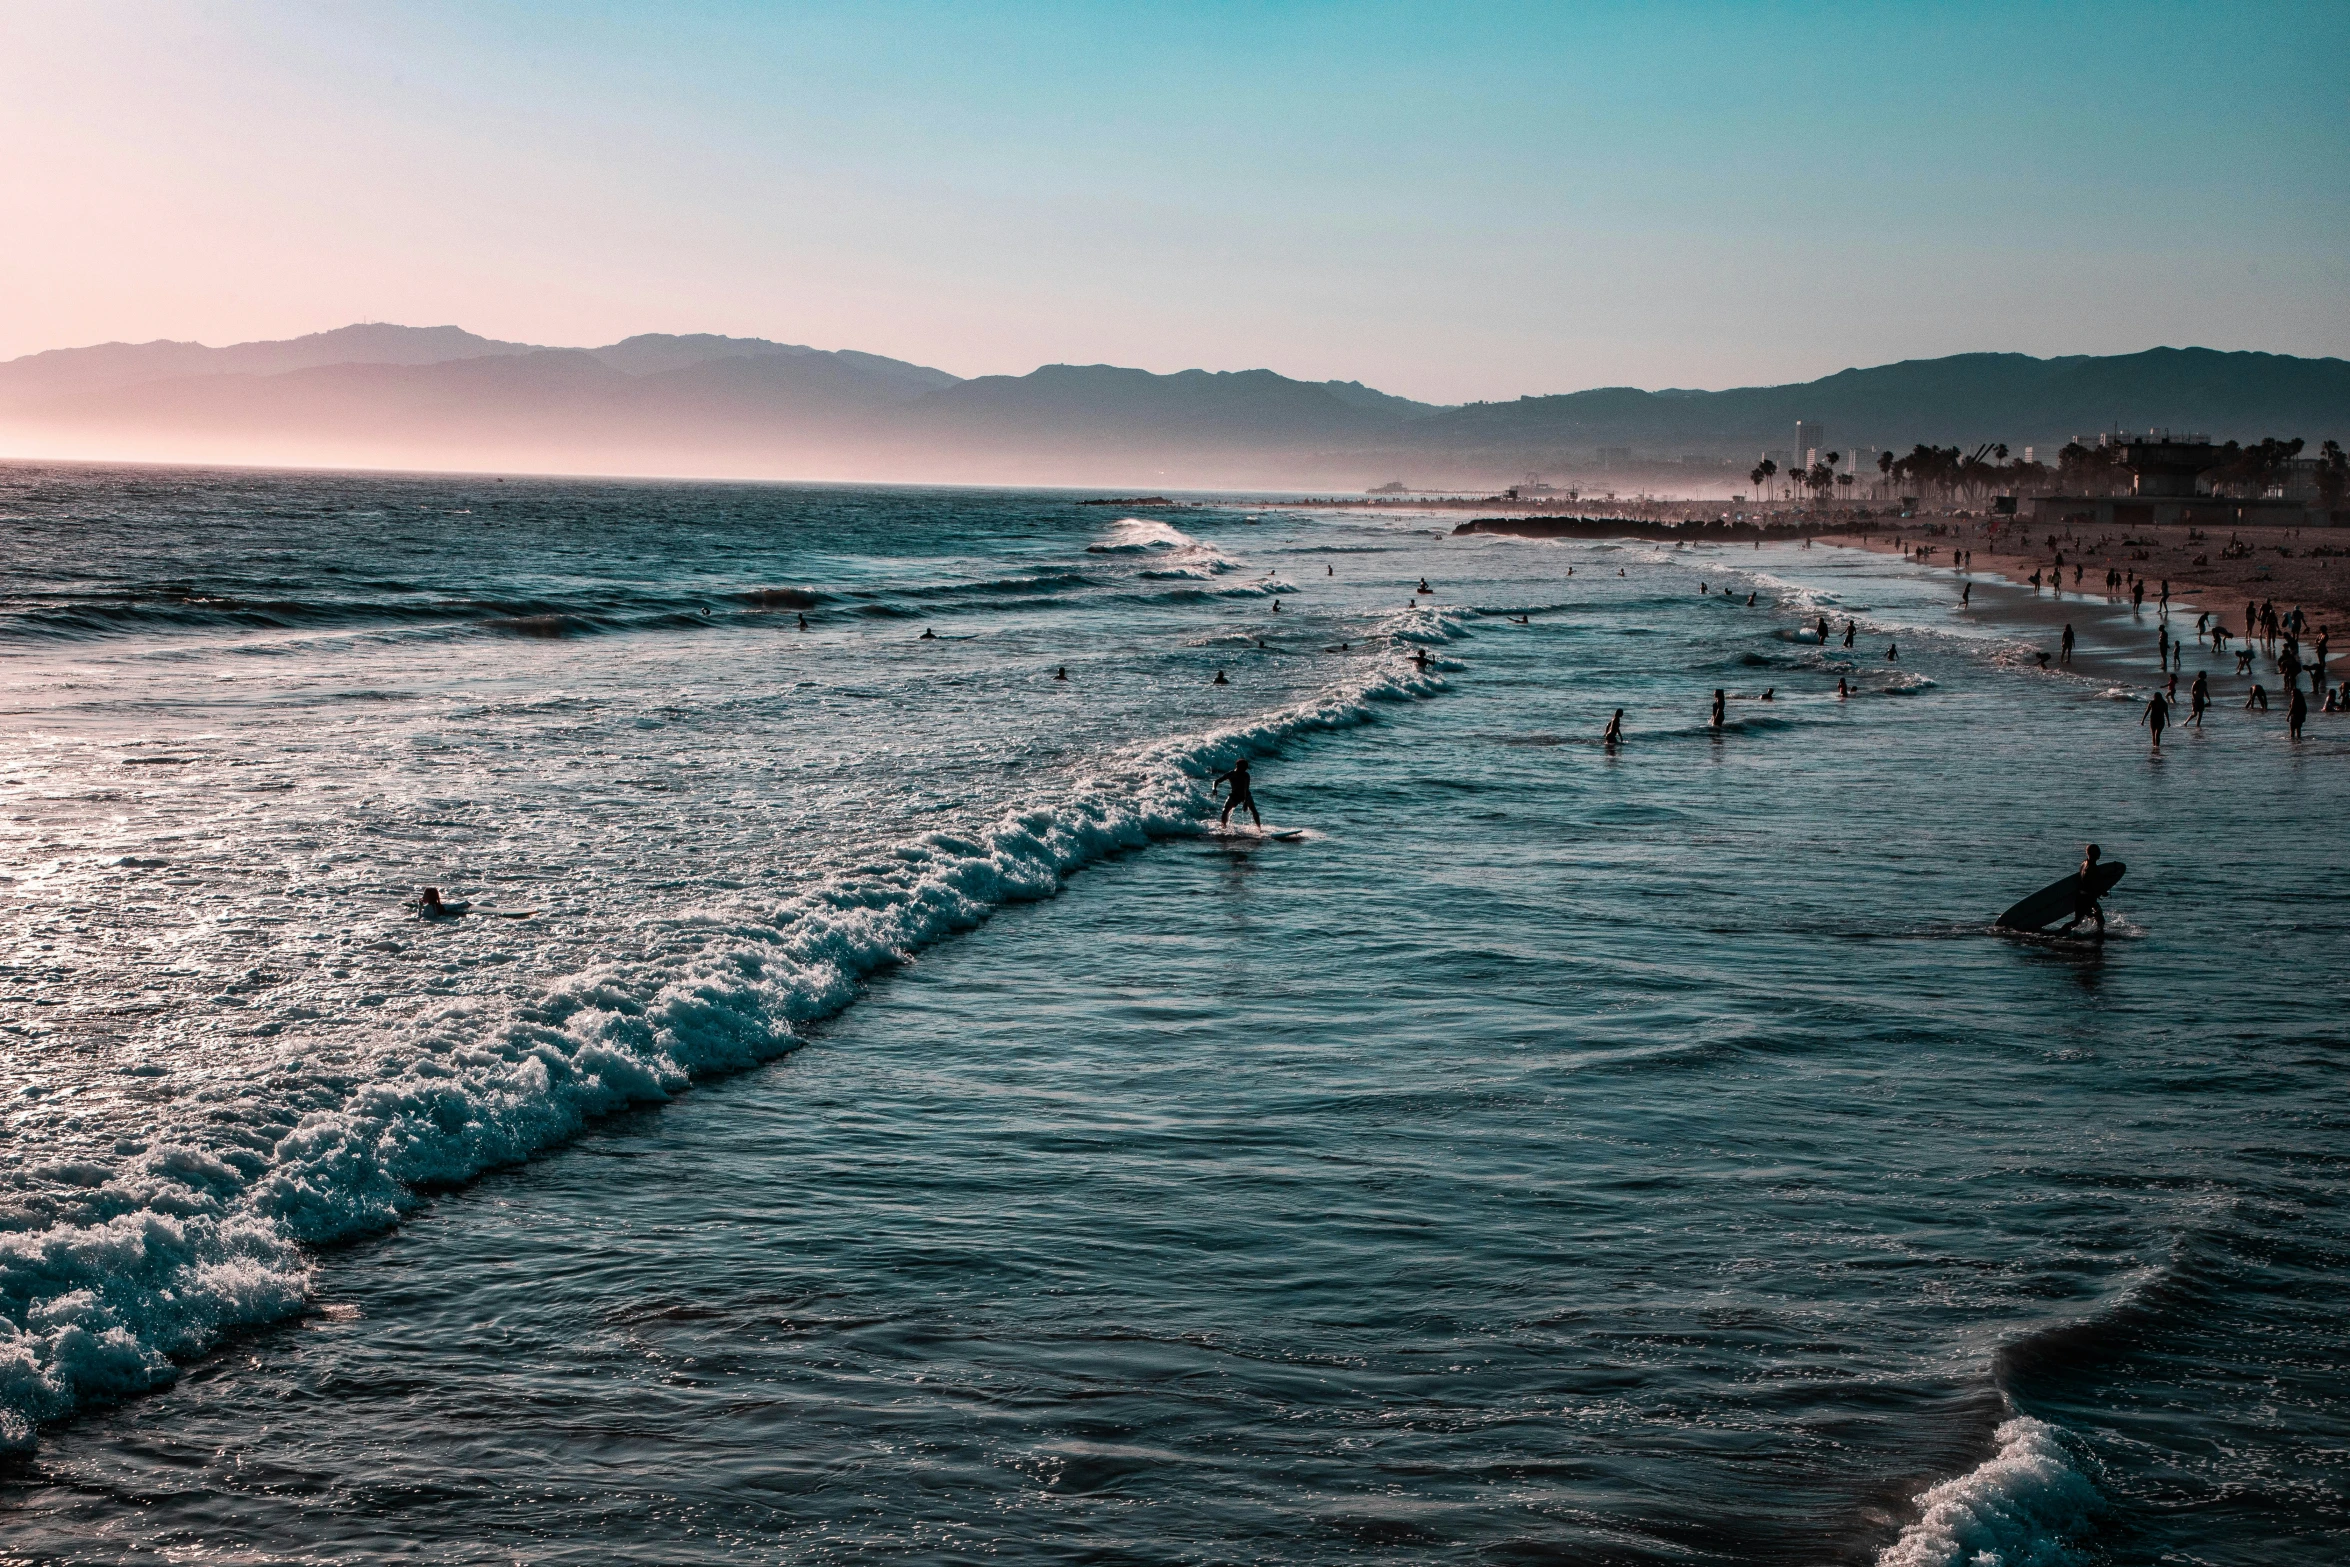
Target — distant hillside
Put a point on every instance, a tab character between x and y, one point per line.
1962	399
391	396
65	372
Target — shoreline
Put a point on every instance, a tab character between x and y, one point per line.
2318	584
2116	641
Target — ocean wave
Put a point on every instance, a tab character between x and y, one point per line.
185	1241
2022	1507
1181	554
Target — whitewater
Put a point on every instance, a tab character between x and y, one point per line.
1619	1127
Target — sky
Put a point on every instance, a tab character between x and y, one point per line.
1450	201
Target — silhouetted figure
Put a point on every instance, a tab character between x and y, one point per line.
1721	704
1615	731
1241	794
2085	901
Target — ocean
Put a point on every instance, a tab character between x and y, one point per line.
868	1115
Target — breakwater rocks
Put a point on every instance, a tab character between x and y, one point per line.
1707	528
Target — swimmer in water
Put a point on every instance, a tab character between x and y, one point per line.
1241	794
803	622
928	635
1720	703
429	905
1850	627
1615	731
1419	658
1750	601
1219	680
1842	690
1061	673
1276	606
1424	588
1519	620
1893	651
1769	692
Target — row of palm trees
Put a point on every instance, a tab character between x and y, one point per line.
1954	473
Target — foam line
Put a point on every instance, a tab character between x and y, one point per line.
197	1241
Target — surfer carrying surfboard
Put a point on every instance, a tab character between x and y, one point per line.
1241	793
2085	899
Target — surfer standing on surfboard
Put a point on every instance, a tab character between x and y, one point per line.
1241	794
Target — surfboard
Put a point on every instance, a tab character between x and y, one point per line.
1282	835
2055	901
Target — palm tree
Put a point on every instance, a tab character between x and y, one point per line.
1885	467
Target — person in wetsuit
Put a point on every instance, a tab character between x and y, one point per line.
2085	903
1241	793
1721	703
1615	731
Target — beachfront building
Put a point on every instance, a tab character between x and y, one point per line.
2171	483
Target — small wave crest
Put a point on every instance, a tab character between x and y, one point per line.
2022	1507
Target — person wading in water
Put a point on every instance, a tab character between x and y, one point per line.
2085	904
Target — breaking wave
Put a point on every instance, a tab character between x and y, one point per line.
2024	1506
1178	553
185	1241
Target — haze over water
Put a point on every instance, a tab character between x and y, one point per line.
934	1146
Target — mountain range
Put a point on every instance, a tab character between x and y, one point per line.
378	395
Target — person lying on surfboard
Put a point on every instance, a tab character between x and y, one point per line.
1241	794
2085	904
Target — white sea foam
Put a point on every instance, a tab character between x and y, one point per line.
198	1241
1177	553
2022	1507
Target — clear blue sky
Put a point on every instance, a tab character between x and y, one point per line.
1448	201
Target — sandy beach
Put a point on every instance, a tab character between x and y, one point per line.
2309	568
2116	643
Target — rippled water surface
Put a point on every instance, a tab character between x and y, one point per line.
1550	1155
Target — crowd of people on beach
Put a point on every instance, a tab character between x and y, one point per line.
2268	631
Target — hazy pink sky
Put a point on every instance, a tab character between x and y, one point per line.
1447	202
